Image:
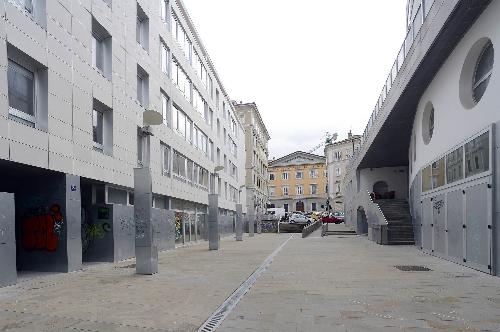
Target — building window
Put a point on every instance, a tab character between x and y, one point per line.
97	129
180	79
271	176
102	127
337	155
428	123
272	191
165	159
21	84
313	206
163	10
337	171
142	28
482	73
313	173
35	9
164	108
101	49
454	165
284	176
164	57
142	87
337	191
285	191
285	206
314	189
299	175
299	190
477	155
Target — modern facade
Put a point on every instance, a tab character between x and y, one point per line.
297	182
429	159
256	164
77	77
337	157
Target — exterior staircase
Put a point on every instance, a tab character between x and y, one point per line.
397	214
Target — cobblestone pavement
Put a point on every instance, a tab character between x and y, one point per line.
334	283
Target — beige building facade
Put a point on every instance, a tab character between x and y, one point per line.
297	182
256	158
337	157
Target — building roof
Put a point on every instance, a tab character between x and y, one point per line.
256	109
298	158
347	140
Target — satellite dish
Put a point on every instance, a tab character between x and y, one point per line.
152	118
218	168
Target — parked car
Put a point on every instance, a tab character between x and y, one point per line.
299	219
331	220
339	215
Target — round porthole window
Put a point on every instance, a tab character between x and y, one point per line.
428	123
476	72
483	71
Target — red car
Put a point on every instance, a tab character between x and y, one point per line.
331	220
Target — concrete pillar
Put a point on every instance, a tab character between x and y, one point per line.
239	222
73	222
8	271
213	222
258	220
146	252
251	224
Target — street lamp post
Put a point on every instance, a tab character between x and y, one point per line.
213	215
146	252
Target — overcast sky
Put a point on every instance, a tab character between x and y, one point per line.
311	66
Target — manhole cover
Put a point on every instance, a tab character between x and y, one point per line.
412	268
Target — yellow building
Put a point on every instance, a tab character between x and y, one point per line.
297	182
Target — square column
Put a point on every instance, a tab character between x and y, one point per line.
8	272
213	222
146	252
239	222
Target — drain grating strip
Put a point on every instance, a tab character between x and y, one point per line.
214	321
412	268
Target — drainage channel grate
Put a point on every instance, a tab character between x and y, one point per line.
412	268
131	266
214	321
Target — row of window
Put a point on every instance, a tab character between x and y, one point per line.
313	174
471	159
181	167
299	190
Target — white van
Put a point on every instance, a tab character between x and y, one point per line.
278	212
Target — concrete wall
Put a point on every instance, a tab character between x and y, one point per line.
453	122
395	177
8	272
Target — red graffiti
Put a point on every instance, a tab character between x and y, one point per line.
41	232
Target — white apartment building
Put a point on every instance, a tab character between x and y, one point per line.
257	153
76	77
337	158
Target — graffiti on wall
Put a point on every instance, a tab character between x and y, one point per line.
178	226
438	205
43	230
92	231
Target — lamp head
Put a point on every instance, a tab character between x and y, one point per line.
152	118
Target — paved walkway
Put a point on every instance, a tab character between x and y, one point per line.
335	283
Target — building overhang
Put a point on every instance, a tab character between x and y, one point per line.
388	145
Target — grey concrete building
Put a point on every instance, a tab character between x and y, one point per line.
337	157
427	170
76	78
256	156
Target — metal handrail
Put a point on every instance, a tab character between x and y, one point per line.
412	33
